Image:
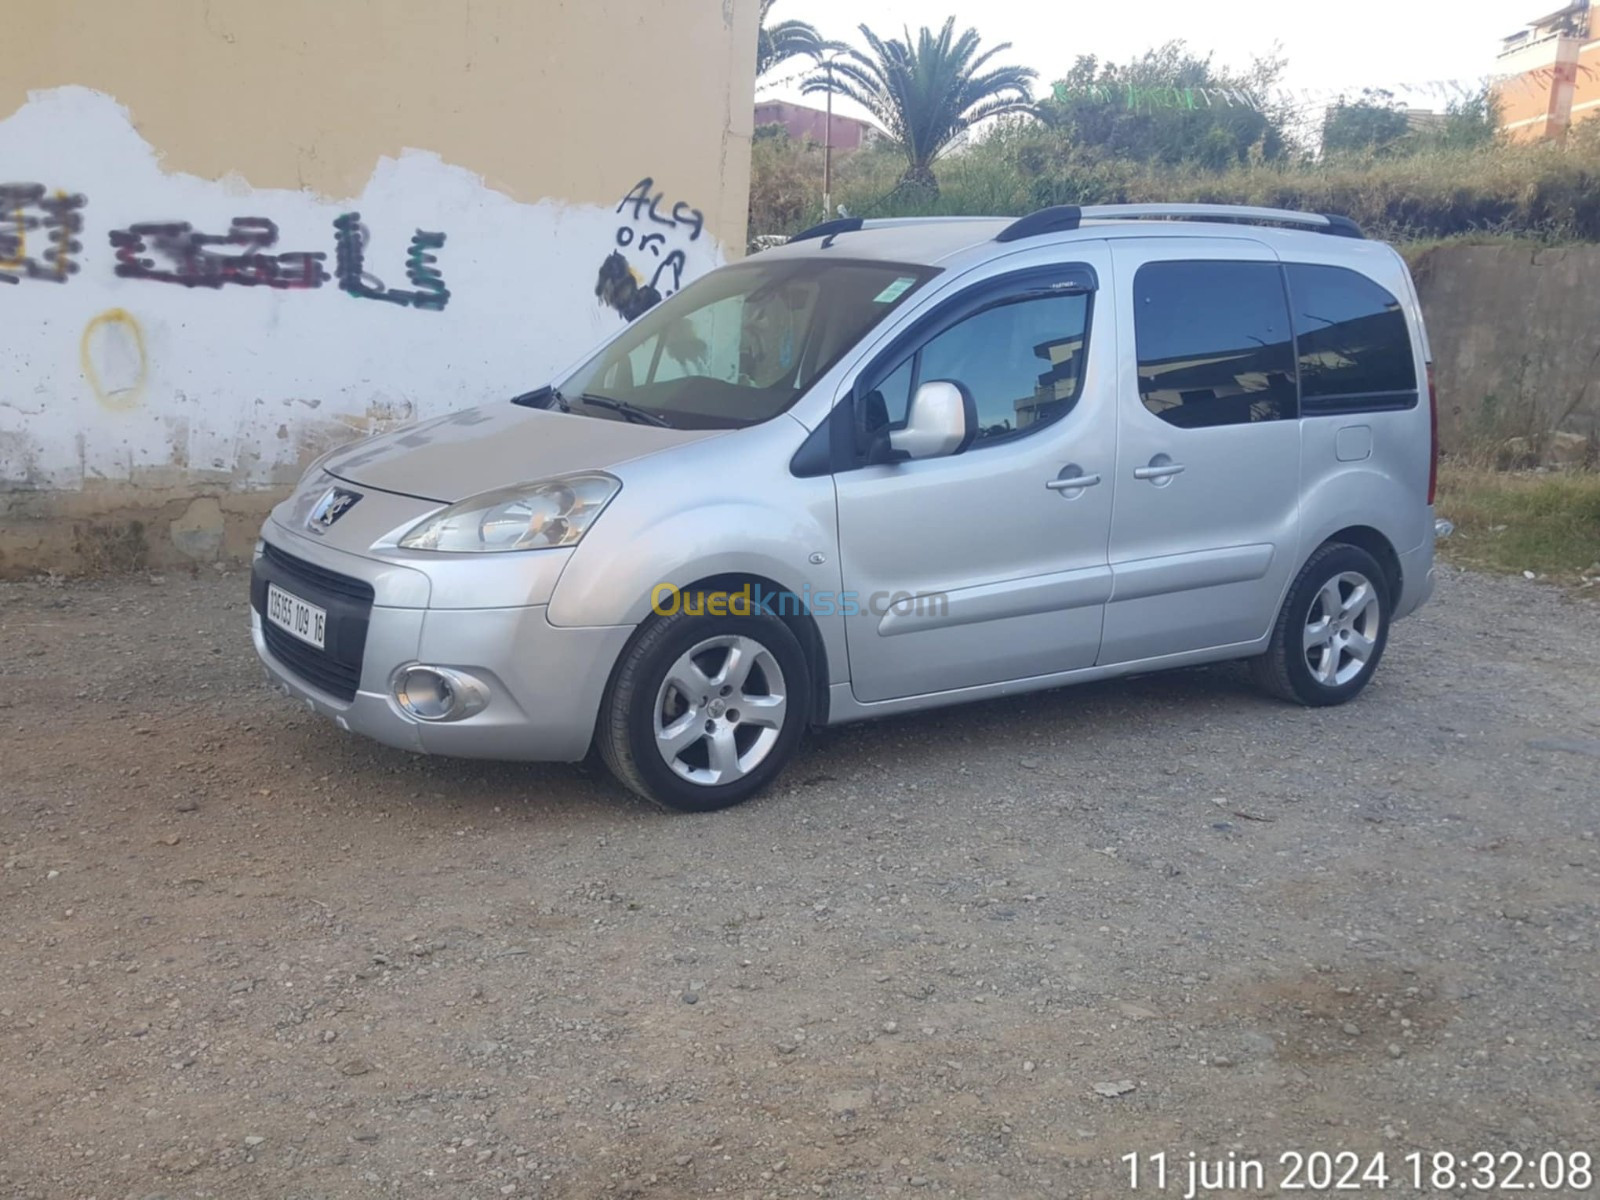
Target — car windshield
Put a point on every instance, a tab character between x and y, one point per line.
741	344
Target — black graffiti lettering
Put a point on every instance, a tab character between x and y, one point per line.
618	285
674	262
694	217
647	205
187	257
350	242
55	219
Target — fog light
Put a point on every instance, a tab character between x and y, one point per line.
438	693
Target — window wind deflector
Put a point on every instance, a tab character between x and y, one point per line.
539	397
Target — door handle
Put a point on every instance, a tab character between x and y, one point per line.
1162	471
1071	479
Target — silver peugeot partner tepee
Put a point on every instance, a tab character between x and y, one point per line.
890	465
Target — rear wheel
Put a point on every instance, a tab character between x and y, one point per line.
1332	630
703	711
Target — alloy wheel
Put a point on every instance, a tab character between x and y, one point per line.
1341	628
720	709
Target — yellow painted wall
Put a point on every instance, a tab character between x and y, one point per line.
566	99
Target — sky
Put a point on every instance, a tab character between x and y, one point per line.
1349	45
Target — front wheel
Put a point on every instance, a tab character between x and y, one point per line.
1331	631
705	711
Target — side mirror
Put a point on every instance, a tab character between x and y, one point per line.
942	421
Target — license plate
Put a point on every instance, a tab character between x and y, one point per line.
292	614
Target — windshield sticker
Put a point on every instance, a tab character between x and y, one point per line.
895	290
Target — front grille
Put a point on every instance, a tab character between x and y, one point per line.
338	679
336	669
318	577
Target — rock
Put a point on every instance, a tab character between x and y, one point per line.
329	1035
849	1102
691	997
1137	1012
188	806
1114	1088
1351	1028
1027	1067
1394	1050
355	1066
1031	764
254	1139
1221	1060
172	839
891	1026
683	1160
1566	745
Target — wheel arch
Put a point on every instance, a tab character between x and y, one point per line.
797	616
1365	537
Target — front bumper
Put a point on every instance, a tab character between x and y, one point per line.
544	681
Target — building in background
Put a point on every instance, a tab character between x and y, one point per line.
803	123
234	233
1551	74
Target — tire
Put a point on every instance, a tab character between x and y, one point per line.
674	679
1317	661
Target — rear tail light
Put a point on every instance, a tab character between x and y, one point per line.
1433	436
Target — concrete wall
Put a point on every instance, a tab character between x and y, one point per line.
1516	337
234	233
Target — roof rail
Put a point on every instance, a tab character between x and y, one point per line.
830	228
1071	216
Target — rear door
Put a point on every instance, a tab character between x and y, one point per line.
1206	512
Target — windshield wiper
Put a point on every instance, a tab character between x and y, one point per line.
629	412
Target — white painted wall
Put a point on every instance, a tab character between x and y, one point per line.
135	381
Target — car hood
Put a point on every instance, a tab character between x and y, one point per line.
478	449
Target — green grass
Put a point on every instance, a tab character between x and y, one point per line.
1516	521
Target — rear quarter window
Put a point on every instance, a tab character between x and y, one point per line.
1353	342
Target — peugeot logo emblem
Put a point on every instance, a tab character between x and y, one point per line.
333	505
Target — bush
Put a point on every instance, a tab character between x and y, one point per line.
1540	191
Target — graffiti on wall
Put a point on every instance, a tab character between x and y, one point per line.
39	240
350	241
184	256
650	236
54	221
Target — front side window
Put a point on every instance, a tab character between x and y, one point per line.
740	345
1214	343
1022	360
1355	347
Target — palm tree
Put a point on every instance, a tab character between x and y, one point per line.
785	40
926	94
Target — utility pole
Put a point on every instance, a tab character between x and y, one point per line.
827	149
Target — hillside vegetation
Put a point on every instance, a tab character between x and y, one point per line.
1545	192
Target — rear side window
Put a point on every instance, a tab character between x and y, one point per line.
1355	349
1214	343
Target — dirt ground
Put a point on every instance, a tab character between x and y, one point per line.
249	956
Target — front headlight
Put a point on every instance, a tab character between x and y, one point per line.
525	516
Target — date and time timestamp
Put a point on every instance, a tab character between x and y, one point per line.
1193	1176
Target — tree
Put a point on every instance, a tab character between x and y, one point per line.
1375	124
1171	107
928	93
785	40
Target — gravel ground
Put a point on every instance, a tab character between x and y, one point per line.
247	955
